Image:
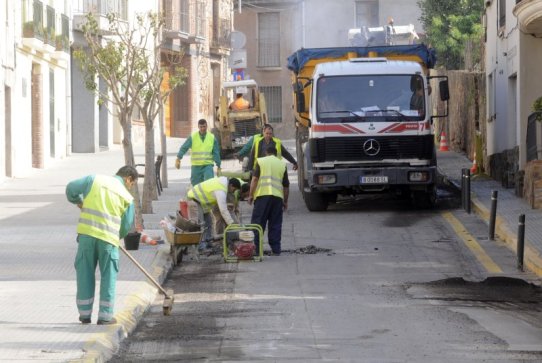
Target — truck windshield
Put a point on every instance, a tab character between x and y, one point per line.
374	98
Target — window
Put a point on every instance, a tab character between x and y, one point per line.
502	13
268	40
184	14
200	19
367	14
490	97
273	99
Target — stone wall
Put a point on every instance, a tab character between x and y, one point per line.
465	126
532	189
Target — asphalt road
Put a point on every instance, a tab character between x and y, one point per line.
383	283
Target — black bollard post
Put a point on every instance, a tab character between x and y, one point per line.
521	241
467	191
493	215
463	188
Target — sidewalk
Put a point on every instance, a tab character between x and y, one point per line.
38	315
509	208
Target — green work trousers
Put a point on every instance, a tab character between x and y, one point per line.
90	253
201	173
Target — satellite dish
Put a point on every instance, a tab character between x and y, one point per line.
237	40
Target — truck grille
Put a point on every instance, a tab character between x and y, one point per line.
246	128
391	147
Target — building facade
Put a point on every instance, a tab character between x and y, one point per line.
275	29
7	79
513	29
35	73
197	30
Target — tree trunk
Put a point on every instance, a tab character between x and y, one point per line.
149	185
163	147
129	160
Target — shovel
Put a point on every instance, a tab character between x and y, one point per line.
167	306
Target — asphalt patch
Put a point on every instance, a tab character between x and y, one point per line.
495	289
310	250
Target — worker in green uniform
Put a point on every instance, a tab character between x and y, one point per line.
205	153
107	214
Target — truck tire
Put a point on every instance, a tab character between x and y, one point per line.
316	202
425	199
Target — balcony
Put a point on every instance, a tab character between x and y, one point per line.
100	9
177	25
529	14
221	33
35	34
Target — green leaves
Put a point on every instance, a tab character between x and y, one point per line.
450	27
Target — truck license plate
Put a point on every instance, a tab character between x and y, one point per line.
374	180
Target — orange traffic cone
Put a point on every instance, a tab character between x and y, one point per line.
474	168
443	142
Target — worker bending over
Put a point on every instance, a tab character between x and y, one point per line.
210	193
269	191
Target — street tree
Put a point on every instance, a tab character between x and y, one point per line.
160	77
124	59
452	27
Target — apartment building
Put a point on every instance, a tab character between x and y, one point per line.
46	112
275	29
513	32
199	30
7	79
35	73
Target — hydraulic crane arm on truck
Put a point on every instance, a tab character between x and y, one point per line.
364	123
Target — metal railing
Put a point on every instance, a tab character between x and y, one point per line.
221	33
101	7
50	28
33	21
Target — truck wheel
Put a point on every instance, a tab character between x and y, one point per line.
425	199
316	202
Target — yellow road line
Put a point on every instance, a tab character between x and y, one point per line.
472	244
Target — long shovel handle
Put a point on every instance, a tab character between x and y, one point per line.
144	271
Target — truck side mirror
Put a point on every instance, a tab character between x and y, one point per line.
444	90
299	96
300	101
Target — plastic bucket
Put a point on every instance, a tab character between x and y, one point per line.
131	241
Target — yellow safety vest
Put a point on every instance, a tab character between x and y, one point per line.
271	174
256	144
103	207
202	151
204	194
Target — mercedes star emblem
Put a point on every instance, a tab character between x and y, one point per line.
371	147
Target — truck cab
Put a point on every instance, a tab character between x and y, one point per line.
364	125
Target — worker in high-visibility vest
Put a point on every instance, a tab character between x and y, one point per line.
210	193
107	214
262	142
269	190
205	152
232	201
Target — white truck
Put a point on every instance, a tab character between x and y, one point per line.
364	122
